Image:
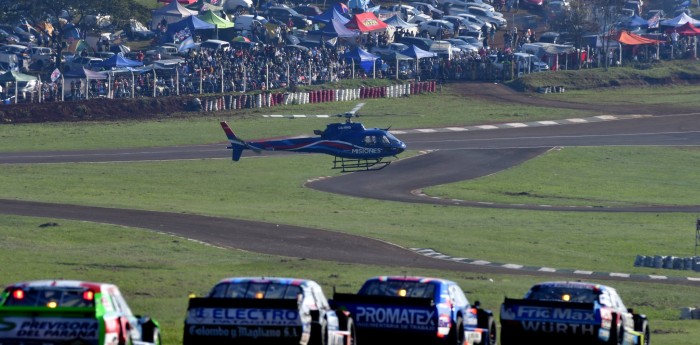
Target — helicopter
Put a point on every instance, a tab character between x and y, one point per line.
353	147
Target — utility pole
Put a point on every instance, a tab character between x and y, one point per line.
697	236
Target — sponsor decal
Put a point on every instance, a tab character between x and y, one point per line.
243	332
6	326
370	22
559	328
550	314
49	328
244	317
366	150
398	318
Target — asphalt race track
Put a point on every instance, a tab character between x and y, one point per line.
450	154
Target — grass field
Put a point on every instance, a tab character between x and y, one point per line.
250	189
156	272
603	176
445	108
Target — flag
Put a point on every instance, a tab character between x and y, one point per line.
654	21
55	75
186	44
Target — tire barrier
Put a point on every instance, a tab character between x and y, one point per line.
690	313
668	262
551	89
269	99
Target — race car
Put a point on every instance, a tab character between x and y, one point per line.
571	313
416	310
52	312
266	311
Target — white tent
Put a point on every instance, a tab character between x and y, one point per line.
172	12
680	20
397	22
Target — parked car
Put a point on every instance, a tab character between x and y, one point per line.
285	14
391	47
466	3
25	34
420	42
477	35
463	23
20	50
8	37
494	18
463	46
23	88
436	27
405	12
237	5
137	31
246	22
79	62
41	57
474	21
477	41
529	63
532	4
215	45
308	10
428	9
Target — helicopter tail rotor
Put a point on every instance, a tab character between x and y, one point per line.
237	145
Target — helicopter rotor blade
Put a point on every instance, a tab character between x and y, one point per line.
300	116
356	109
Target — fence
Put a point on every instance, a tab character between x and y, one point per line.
271	99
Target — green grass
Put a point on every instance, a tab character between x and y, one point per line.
442	109
156	272
661	73
652	95
249	189
445	108
603	176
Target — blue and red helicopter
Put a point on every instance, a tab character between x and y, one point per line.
353	146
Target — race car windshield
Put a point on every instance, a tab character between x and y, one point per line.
57	298
563	293
265	290
399	288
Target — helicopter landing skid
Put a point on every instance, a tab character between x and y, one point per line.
361	164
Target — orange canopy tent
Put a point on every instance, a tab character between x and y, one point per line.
366	22
626	37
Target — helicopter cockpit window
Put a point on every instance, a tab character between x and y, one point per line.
370	140
392	139
385	141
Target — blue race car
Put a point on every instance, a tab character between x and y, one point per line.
413	309
571	313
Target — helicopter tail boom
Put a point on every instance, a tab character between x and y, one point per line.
237	145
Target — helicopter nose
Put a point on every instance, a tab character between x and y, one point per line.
401	148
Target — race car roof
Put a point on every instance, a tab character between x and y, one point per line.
96	287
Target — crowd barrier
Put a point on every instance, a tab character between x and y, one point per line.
271	99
